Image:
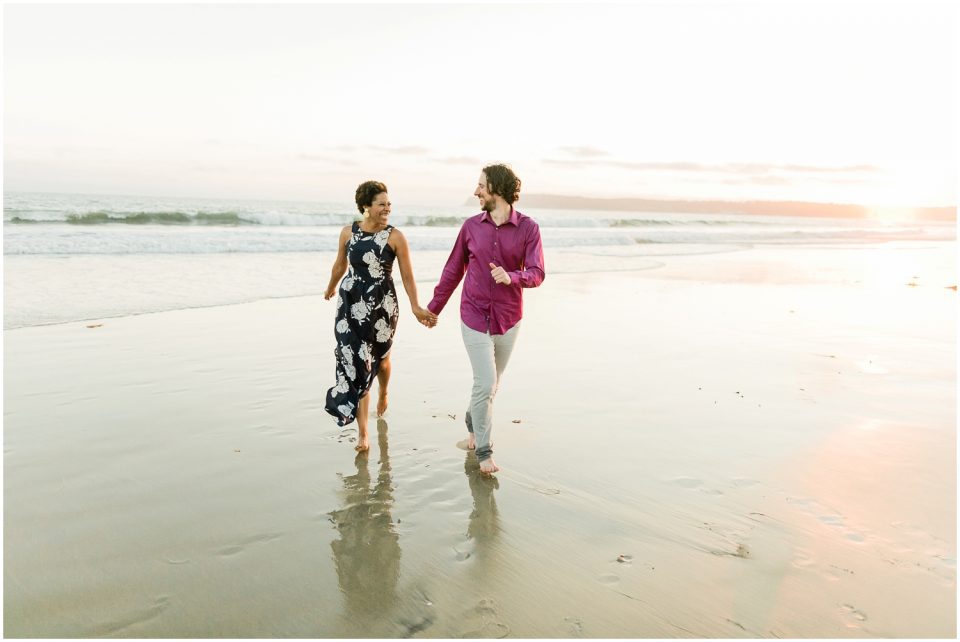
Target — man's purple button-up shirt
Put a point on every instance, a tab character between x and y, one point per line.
485	305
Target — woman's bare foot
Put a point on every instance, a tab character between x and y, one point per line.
382	403
364	444
488	466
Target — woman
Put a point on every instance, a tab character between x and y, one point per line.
367	310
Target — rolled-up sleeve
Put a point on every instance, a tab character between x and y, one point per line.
532	273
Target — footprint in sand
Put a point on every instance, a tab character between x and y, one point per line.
575	626
609	579
853	616
837	522
483	621
548	491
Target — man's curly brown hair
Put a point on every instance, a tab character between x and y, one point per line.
501	180
368	191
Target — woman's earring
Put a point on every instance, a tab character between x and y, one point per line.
366	211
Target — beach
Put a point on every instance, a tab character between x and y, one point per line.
758	441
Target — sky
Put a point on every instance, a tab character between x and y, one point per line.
831	102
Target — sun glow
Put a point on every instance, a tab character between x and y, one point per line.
892	214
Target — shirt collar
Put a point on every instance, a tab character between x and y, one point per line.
513	219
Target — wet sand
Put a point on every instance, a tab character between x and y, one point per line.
751	444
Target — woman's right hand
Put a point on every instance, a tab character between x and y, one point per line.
330	293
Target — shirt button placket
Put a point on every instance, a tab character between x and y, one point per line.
499	262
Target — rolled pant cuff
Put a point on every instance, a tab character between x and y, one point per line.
484	453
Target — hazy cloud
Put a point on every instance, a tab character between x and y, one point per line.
404	150
320	158
460	160
716	168
850	168
584	151
759	180
80	149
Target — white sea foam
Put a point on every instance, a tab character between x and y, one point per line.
132	255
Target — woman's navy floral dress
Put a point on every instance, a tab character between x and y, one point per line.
367	315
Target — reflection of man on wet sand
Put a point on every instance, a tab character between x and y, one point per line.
484	522
483	619
367	555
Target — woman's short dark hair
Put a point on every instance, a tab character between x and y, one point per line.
503	181
368	191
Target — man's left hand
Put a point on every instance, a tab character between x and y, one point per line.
499	274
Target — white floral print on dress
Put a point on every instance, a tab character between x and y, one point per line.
359	310
342	326
373	263
383	330
389	303
346	360
380	238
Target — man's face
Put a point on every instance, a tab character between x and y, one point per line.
487	202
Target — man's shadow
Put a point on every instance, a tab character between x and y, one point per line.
367	553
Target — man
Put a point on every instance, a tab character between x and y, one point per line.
501	253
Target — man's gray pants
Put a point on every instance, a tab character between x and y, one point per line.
488	357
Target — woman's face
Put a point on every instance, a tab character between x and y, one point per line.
379	210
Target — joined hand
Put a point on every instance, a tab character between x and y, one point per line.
425	316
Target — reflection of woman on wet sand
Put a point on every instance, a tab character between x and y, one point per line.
367	555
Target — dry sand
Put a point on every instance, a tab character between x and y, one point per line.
753	444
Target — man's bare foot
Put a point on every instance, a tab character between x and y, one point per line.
488	466
364	445
471	441
382	404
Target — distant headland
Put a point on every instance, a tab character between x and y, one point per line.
769	208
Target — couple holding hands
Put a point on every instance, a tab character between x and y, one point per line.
500	252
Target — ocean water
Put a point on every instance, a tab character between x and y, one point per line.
72	257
